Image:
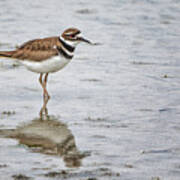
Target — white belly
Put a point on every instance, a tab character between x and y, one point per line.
50	65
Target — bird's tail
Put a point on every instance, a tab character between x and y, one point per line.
6	54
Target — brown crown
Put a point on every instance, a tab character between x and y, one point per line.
70	33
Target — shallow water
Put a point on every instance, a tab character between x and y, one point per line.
119	102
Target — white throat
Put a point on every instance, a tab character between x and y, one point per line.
71	43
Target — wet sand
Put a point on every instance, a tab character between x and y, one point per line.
114	110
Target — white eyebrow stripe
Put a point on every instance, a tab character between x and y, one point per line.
69	33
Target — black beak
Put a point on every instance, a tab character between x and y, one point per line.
84	40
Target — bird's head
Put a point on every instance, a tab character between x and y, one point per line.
73	37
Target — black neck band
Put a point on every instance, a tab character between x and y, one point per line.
67	46
63	53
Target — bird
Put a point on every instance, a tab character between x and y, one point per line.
47	55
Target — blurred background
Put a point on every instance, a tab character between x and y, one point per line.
119	102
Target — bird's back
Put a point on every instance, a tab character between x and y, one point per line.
34	50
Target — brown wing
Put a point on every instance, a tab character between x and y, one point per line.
37	50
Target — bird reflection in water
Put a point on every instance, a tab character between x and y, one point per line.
48	136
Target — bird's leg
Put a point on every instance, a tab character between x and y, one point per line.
41	82
46	96
40	79
45	84
44	111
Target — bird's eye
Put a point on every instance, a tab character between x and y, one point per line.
73	35
70	35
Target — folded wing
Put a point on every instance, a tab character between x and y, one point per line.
34	50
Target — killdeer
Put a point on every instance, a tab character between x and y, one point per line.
47	55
